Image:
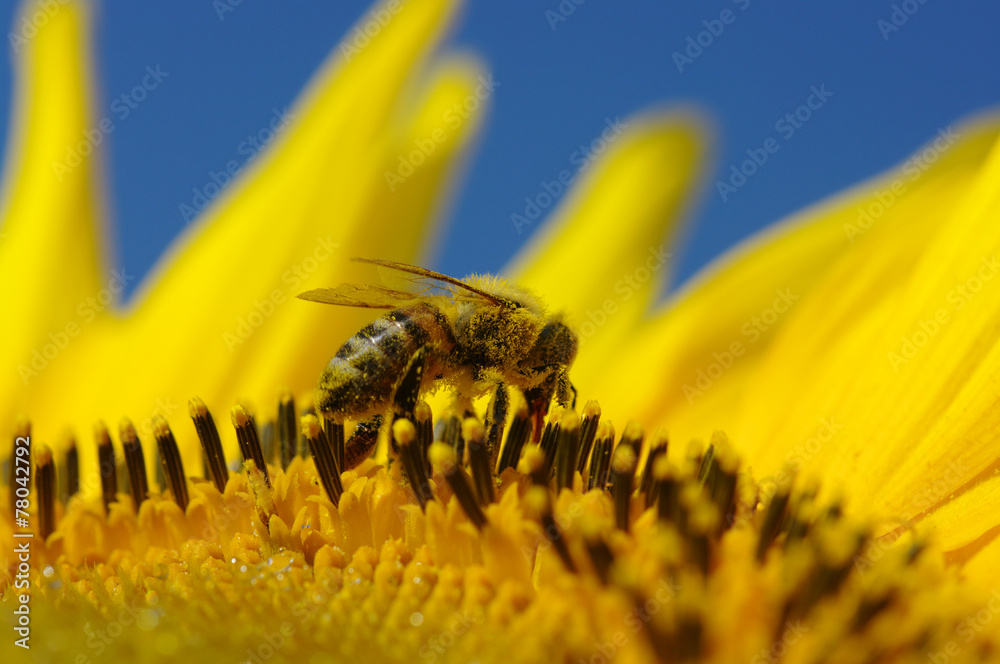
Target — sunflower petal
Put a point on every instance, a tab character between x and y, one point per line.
333	157
914	380
612	238
692	366
50	205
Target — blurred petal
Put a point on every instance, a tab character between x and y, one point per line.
318	195
914	381
606	252
691	367
51	207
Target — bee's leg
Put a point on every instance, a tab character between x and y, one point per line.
407	390
362	442
496	418
563	378
407	393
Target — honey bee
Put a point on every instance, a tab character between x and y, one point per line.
475	335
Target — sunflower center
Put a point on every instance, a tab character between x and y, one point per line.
575	548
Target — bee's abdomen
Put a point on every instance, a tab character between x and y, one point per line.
359	380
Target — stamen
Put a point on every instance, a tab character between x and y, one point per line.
246	435
600	555
161	480
45	490
303	443
106	465
334	435
537	499
121	472
690	630
72	470
474	435
800	522
451	435
517	435
702	525
705	462
720	477
694	459
210	443
811	545
871	607
600	462
173	465
425	434
689	497
588	430
268	447
657	450
322	454
623	470
549	441
412	455
667	491
288	437
136	462
632	436
533	465
445	460
22	429
566	449
836	545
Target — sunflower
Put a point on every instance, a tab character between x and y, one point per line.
805	471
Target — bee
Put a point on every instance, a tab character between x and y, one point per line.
475	335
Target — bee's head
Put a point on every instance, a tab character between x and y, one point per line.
555	345
497	336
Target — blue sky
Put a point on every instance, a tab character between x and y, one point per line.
895	73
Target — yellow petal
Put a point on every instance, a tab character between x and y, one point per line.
51	207
691	367
219	303
606	252
912	373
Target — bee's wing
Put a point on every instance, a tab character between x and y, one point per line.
459	290
369	296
